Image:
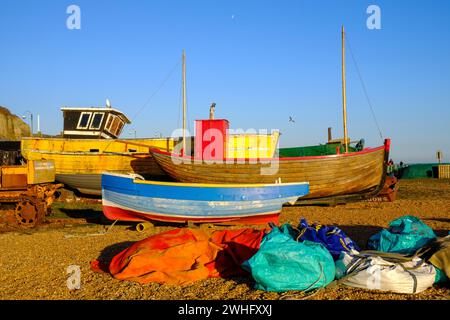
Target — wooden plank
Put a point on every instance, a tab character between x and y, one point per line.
444	171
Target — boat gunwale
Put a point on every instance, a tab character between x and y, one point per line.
88	153
83	140
205	185
333	156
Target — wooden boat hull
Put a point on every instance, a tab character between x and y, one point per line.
389	191
355	175
125	198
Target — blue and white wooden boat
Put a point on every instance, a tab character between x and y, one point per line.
130	198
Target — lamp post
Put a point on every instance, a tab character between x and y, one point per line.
133	131
31	120
439	156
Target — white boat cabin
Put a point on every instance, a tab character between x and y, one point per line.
93	123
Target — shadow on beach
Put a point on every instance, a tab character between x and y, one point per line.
91	216
109	252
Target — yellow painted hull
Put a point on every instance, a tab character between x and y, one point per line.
56	145
96	163
83	156
79	163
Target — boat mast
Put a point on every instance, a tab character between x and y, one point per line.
344	98
184	102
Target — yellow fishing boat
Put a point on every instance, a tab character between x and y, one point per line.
90	146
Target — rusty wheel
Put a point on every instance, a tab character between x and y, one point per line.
27	213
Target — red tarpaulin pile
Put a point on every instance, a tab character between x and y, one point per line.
182	256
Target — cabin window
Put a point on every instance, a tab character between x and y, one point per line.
109	121
119	128
114	125
97	120
83	122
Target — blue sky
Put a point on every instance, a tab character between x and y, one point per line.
260	61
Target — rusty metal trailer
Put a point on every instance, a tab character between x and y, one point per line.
26	193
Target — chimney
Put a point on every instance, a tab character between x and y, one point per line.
211	111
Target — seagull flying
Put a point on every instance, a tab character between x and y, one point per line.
290	119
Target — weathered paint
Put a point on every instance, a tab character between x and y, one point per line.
85	183
243	146
34	172
58	145
13	176
41	171
178	202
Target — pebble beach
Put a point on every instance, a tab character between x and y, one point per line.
34	263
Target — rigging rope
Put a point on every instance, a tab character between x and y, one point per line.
188	122
364	87
150	98
180	98
157	90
